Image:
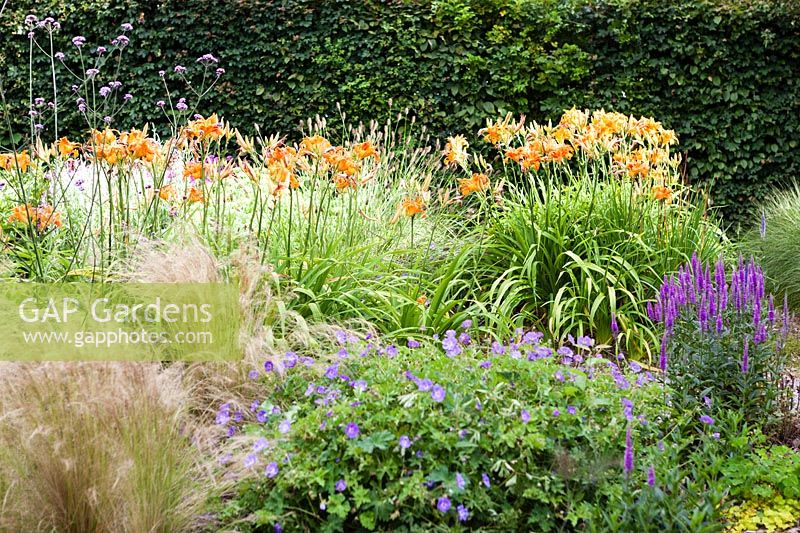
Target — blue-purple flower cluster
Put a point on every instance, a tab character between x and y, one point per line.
706	295
331	384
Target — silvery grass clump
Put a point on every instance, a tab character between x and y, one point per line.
776	242
722	342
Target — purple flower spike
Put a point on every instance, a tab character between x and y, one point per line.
614	326
651	476
628	453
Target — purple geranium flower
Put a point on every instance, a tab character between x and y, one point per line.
405	442
352	431
272	470
438	393
443	504
341	485
463	513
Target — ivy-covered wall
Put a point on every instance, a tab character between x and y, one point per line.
723	73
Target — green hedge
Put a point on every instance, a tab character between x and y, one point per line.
722	73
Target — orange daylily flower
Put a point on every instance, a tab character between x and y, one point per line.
455	151
501	131
365	150
67	148
343	181
280	172
574	120
193	170
196	195
103	137
283	154
210	128
557	151
662	193
42	216
139	145
10	161
666	137
316	146
477	183
527	156
167	192
110	153
413	206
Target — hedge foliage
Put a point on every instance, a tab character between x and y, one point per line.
720	72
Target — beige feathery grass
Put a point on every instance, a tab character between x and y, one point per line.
98	447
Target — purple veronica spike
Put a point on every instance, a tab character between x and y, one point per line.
628	453
651	476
